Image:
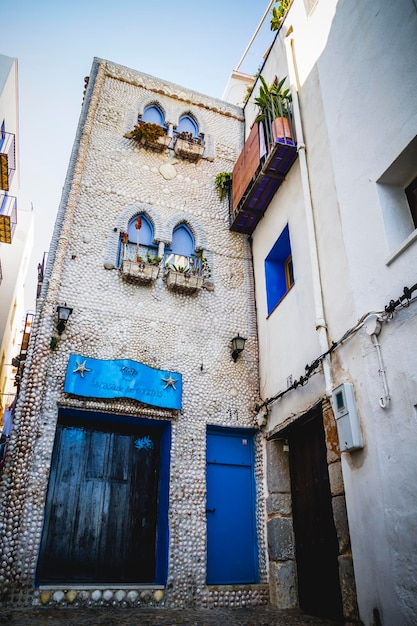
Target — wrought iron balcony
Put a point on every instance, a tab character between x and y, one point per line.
265	160
8	217
7	159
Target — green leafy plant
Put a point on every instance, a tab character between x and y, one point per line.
153	260
223	182
278	13
273	100
149	259
205	269
148	132
54	343
180	269
197	267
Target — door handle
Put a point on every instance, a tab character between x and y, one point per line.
210	510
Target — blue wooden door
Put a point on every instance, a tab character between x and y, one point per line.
231	526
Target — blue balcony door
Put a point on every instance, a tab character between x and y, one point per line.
231	527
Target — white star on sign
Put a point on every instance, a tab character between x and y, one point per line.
170	382
81	368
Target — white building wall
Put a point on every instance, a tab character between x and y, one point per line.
14	257
355	74
364	141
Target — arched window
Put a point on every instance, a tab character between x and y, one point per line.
188	126
153	114
138	242
181	254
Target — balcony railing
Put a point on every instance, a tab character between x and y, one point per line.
8	217
139	263
7	159
265	160
41	274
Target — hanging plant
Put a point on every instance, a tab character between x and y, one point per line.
54	343
278	13
147	132
223	183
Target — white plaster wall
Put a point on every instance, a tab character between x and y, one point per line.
371	119
14	257
355	69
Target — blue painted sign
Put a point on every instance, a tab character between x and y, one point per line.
123	378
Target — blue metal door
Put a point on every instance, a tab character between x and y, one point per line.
231	526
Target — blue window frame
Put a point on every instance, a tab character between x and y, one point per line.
181	253
140	239
153	114
187	124
279	274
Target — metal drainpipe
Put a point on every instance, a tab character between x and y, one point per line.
321	326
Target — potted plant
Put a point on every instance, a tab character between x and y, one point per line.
188	146
274	103
150	135
141	270
188	278
223	183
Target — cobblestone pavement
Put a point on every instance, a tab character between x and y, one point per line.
261	616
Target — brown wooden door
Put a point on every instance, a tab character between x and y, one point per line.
101	511
315	532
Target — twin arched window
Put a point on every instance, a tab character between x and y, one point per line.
186	124
138	244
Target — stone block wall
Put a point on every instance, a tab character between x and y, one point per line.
282	565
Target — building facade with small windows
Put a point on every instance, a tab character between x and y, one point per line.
16	237
330	210
140	478
156	468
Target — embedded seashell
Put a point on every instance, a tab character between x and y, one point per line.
158	595
45	597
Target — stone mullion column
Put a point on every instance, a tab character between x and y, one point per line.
17	571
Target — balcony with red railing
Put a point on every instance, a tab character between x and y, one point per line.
266	158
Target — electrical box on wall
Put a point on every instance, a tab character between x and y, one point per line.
347	421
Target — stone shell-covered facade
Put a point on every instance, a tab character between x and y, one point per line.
110	179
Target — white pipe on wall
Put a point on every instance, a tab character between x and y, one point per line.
320	321
254	35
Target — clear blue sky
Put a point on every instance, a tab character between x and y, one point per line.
195	44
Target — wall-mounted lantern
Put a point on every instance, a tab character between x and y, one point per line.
238	345
64	312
